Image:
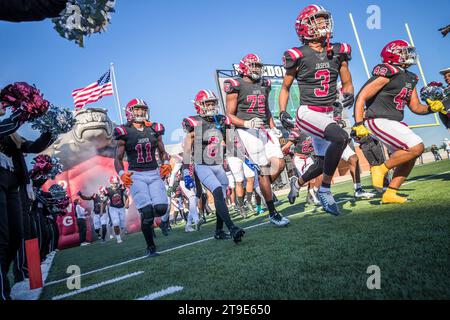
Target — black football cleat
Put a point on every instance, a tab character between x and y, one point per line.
237	234
221	235
151	252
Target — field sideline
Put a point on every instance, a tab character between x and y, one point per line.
317	257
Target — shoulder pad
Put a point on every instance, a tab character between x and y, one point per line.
231	85
291	58
120	132
225	120
158	128
344	50
385	70
189	124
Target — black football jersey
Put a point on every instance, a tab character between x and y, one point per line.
140	146
317	72
390	101
209	138
302	143
98	201
252	98
116	197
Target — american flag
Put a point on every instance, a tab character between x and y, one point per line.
93	92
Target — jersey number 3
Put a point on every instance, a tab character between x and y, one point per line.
323	74
140	158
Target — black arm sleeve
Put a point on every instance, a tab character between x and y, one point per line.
9	125
39	145
30	10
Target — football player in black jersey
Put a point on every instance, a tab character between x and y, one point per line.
204	152
316	66
303	159
100	217
385	95
248	109
139	139
118	202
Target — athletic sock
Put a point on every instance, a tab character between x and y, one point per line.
325	187
271	207
357	186
249	197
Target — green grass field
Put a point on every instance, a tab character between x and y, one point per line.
317	257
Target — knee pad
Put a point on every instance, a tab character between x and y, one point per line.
372	150
147	215
335	134
160	209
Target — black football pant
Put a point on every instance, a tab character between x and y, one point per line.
20	268
11	228
82	229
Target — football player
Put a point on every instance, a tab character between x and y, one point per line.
118	202
204	152
303	159
248	109
385	95
139	139
349	155
316	65
193	222
100	216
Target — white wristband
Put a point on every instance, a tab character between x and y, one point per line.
121	172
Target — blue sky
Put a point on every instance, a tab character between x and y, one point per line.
164	52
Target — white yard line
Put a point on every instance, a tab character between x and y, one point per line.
162	293
210	238
98	285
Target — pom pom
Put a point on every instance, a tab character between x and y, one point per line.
21	96
82	18
434	91
56	121
45	167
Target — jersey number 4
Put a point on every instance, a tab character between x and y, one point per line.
401	99
260	99
323	74
148	157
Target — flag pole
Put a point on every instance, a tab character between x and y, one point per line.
116	91
359	45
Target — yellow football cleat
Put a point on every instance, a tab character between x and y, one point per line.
391	197
378	173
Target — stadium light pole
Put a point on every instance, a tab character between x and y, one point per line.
116	92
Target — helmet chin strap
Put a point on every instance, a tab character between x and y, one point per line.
329	49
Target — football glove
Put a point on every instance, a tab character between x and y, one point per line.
360	131
189	182
165	170
126	179
436	106
254	123
286	120
348	100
